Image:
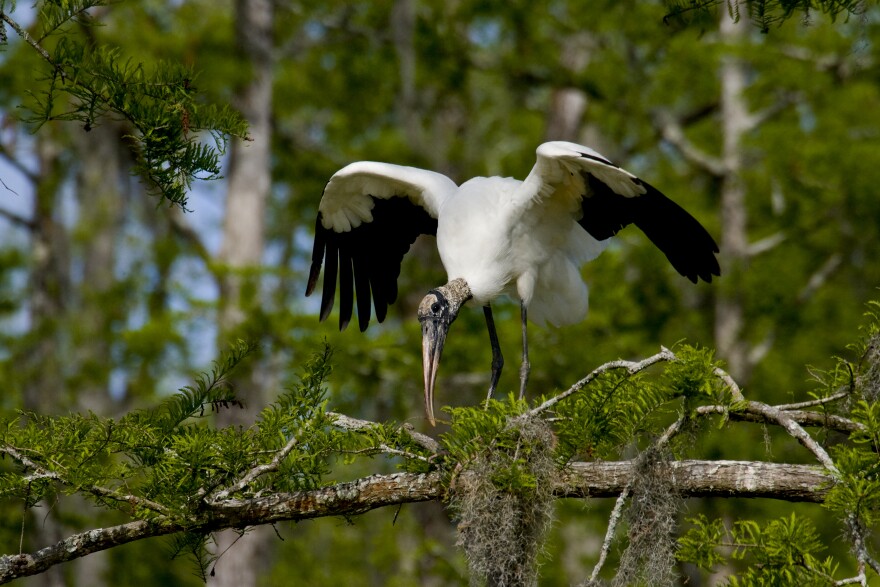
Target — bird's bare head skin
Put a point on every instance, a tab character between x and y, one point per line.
437	312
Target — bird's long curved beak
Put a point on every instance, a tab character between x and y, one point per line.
433	338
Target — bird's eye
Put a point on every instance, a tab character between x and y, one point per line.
435	308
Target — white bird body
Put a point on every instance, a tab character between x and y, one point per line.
499	247
527	239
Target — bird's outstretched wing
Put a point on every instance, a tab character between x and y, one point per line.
605	198
368	217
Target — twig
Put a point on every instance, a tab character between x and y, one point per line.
814	402
32	42
385	449
613	520
259	470
735	391
356	424
15	218
858	540
422	440
837	423
40	472
784	419
861	579
632	368
794	429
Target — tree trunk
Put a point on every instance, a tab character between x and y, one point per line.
102	173
41	372
249	177
49	285
403	24
568	104
735	121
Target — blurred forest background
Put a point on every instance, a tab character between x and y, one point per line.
110	298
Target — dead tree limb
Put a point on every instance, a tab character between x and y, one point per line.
578	480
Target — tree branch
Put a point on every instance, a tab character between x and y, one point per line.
21	32
815	402
349	423
819	277
40	472
785	420
15	218
802	417
766	244
259	470
613	520
782	418
578	480
186	232
672	132
693	478
632	367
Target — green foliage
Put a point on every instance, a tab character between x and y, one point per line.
165	460
54	14
162	106
477	431
692	374
857	492
165	116
485	77
700	544
784	551
211	390
194	546
764	14
607	415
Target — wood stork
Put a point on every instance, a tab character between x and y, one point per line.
527	239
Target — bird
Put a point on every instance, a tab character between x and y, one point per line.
526	239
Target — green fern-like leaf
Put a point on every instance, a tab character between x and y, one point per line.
168	119
607	415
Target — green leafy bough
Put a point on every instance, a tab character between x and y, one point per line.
162	112
168	471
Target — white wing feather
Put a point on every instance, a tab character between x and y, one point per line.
347	200
557	174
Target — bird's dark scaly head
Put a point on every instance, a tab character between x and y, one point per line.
437	312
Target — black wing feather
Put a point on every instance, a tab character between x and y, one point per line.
317	255
346	287
685	242
362	285
329	293
372	253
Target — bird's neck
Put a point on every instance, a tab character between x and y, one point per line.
457	292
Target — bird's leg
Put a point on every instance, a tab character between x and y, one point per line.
524	368
497	359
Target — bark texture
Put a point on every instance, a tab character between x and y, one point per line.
580	480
